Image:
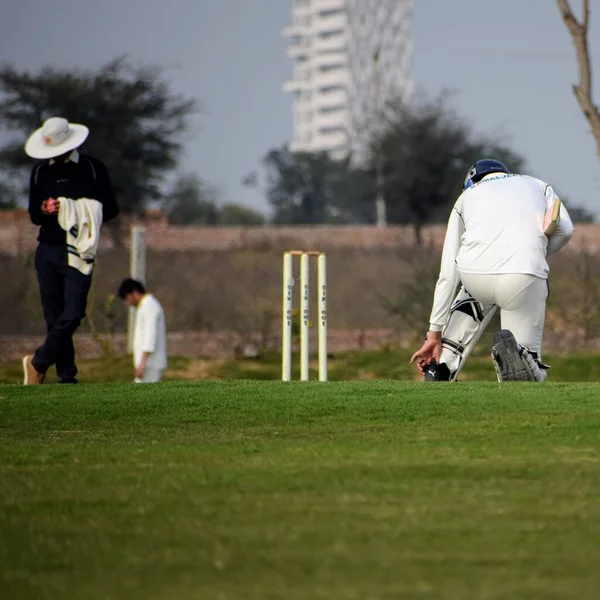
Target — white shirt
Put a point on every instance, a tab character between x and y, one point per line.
150	333
496	226
73	157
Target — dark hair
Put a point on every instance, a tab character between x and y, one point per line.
130	285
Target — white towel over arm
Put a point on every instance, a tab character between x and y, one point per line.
81	219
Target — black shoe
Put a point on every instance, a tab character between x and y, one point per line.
68	381
507	358
435	372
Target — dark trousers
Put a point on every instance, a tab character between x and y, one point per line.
64	291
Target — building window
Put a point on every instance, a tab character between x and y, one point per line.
330	68
328	110
327	35
330	12
330	51
331	130
330	89
303	41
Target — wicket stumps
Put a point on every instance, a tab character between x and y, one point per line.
288	293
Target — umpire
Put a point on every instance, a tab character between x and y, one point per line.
62	173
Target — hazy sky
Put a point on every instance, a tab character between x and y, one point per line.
510	64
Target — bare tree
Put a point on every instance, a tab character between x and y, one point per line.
583	90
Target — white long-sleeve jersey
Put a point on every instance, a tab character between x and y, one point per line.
150	333
496	226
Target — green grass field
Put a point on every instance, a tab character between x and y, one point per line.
264	490
345	366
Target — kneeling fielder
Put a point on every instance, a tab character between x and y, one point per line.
500	231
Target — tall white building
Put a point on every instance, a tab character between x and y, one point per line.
349	56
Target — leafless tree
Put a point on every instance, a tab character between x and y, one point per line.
583	89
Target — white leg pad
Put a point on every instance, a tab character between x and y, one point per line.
466	323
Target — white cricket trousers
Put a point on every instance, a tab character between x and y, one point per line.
521	300
151	376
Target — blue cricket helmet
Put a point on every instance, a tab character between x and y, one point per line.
482	168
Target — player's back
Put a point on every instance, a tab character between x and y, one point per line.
503	218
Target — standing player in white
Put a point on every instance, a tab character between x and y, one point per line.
150	332
500	231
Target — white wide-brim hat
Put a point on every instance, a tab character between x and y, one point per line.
55	137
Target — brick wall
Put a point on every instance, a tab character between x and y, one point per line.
194	344
18	234
207	344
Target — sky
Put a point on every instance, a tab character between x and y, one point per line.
509	66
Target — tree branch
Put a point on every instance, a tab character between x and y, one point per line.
583	90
